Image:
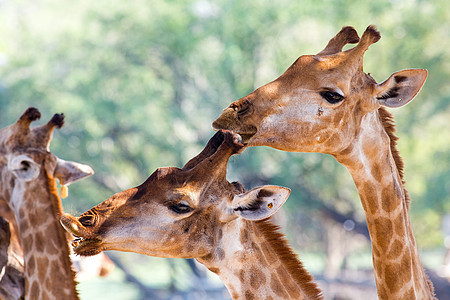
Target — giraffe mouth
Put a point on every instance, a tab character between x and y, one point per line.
85	243
244	136
86	246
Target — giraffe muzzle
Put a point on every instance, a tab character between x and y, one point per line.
84	243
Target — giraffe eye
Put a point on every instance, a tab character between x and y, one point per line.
180	208
331	97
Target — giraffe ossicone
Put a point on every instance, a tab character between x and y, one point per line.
194	212
326	103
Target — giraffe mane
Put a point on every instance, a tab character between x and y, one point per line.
387	119
57	211
289	259
388	122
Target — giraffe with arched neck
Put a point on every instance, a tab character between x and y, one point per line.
28	172
326	103
194	212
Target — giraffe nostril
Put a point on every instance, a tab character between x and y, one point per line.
243	108
88	220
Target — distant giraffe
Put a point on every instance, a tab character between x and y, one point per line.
12	281
194	212
326	103
28	172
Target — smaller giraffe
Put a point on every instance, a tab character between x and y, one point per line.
12	281
194	212
28	172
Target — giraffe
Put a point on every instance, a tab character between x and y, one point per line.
194	212
326	103
28	172
12	281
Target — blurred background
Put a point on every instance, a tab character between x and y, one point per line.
140	83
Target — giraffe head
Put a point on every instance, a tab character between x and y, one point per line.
175	212
25	154
318	103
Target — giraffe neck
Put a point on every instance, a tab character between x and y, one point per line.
48	270
254	261
398	271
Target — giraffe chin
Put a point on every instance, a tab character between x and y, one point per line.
87	247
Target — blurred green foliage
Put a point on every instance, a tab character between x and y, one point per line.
141	81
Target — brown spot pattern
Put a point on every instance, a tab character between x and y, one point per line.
249	295
376	172
383	232
34	218
399	225
244	236
34	291
257	277
28	242
391	277
241	275
24	225
39	242
369	196
42	265
31	264
406	265
395	250
388	200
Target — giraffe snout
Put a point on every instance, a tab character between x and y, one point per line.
73	226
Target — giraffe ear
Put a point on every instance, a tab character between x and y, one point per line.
69	171
260	203
24	168
401	87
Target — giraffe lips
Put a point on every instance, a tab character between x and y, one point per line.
84	243
241	137
230	120
86	247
